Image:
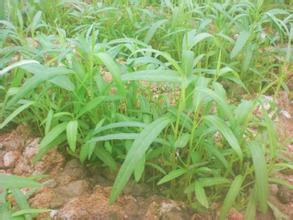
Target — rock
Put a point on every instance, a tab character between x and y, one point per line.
162	209
10	158
31	149
285	195
23	167
73	189
171	210
72	171
72	164
235	215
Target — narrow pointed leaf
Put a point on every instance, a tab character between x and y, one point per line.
201	195
261	175
231	196
15	113
49	138
240	43
12	181
71	132
172	175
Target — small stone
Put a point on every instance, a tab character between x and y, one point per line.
32	149
285	195
274	189
10	158
75	188
235	215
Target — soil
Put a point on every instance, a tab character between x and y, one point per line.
73	191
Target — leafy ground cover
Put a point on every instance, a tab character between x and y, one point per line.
170	93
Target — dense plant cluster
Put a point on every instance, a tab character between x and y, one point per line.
153	90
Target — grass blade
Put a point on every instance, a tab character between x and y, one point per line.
139	169
261	175
151	32
15	113
201	195
153	75
118	136
29	211
12	181
240	43
49	138
106	157
251	207
172	175
120	125
17	64
218	99
35	81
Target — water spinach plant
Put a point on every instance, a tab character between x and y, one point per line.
153	93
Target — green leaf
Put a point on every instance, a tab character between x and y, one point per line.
12	181
182	140
49	121
231	196
240	43
4	211
86	151
15	113
94	103
49	138
63	82
201	195
106	157
251	207
277	213
218	99
272	135
30	211
120	125
242	112
36	80
136	153
154	76
261	174
71	132
21	201
118	136
192	38
152	30
215	152
36	19
187	59
207	182
17	64
212	181
139	169
221	126
172	175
